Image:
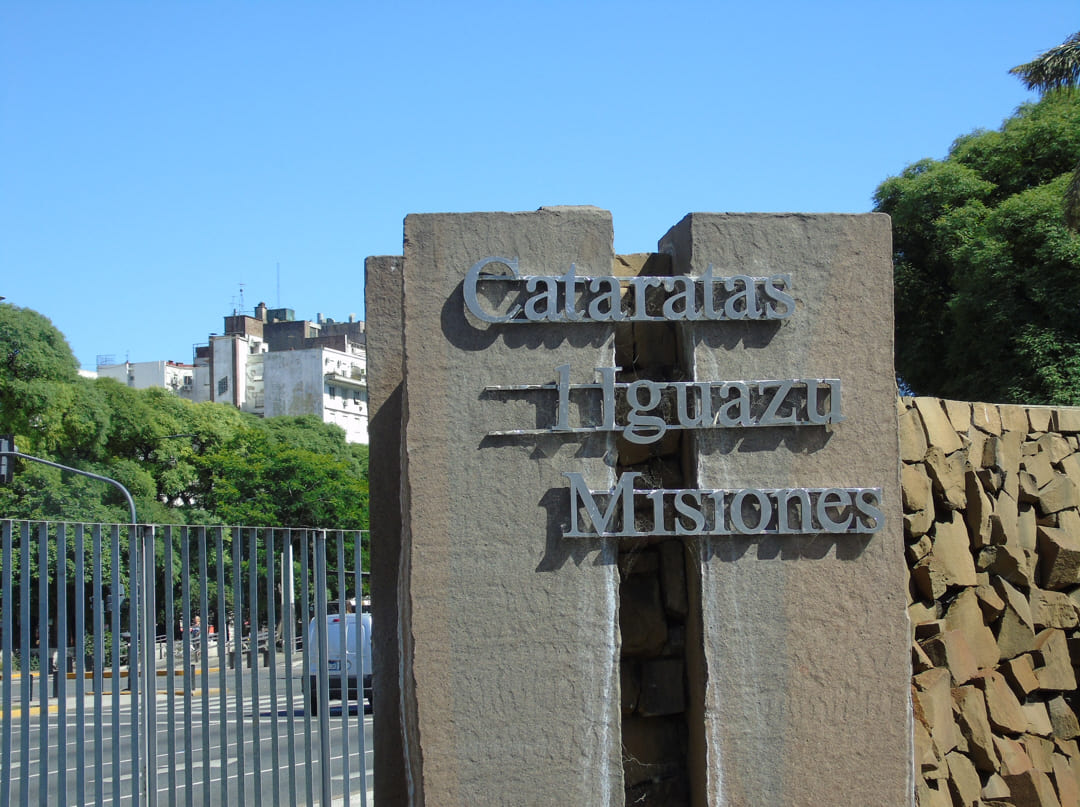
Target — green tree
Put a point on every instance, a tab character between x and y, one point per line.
260	478
987	274
35	360
1058	69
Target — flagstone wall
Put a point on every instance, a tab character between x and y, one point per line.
992	528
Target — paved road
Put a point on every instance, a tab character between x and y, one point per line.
181	776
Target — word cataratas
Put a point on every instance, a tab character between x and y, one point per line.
570	298
746	511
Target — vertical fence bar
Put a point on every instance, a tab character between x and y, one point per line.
204	658
253	618
170	653
363	640
135	683
43	659
80	665
344	667
99	670
26	557
288	615
271	651
61	662
324	679
185	651
5	729
115	588
149	636
223	636
305	666
238	598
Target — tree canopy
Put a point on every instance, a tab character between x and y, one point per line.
183	463
987	274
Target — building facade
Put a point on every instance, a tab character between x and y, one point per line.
272	364
172	375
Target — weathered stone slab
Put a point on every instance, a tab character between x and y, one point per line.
1067	419
1039	418
985	417
1038	719
1059	557
776	732
1015	630
912	436
949	563
933	701
939	430
1002	705
1054	445
1053	663
1063	719
383	288
974	724
1068	788
1013	418
966	616
506	623
959	413
963	779
1031	788
947	473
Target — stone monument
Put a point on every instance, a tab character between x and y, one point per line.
551	424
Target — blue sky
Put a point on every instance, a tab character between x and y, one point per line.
156	156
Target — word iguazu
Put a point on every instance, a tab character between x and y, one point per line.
627	512
644	411
570	298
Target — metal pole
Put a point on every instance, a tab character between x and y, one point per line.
127	495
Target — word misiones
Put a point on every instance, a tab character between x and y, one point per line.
570	298
747	511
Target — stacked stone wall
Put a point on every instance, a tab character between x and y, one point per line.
991	500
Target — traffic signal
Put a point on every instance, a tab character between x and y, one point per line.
114	600
7	443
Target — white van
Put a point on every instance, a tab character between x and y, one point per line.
335	659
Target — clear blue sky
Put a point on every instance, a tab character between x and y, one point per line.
154	156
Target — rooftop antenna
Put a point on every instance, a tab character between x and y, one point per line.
241	297
278	304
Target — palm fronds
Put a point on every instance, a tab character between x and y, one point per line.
1059	67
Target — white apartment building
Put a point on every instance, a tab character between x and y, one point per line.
169	374
271	364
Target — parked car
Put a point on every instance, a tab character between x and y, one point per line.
336	660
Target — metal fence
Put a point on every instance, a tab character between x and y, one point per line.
181	665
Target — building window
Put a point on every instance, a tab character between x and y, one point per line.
333	391
223	385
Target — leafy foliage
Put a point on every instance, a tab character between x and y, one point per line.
183	463
1056	69
986	270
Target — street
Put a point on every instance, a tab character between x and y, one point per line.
200	749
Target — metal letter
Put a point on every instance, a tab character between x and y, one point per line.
692	511
580	494
842	499
764	515
782	390
472	277
562	419
635	419
550	299
867	502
